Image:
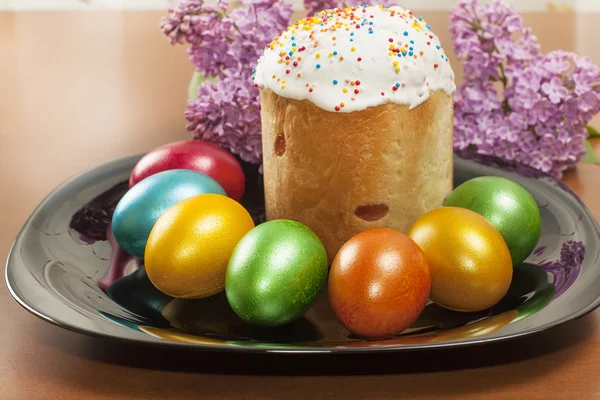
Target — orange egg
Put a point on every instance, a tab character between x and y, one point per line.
471	266
191	243
379	283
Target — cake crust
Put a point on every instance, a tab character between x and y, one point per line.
344	173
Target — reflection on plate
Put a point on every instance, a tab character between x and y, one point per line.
67	270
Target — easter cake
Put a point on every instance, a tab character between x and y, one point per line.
357	117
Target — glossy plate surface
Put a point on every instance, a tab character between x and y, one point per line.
62	268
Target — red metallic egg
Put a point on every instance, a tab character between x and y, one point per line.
379	283
196	155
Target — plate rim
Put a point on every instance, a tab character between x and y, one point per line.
272	348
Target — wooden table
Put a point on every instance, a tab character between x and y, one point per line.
64	108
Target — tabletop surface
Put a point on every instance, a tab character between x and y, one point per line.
64	108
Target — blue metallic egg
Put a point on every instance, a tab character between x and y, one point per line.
137	212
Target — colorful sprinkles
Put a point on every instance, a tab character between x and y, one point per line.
346	23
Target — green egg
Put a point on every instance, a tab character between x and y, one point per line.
508	206
275	273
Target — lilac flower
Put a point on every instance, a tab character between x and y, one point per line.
555	90
314	6
482	34
207	29
582	84
526	101
546	100
518	122
526	47
227	45
481	97
528	79
349	3
584	63
588	101
544	110
557	62
541	161
190	17
226	113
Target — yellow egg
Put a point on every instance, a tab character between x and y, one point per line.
471	266
191	243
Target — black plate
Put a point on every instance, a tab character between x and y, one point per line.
62	268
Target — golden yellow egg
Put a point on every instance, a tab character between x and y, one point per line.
471	266
190	245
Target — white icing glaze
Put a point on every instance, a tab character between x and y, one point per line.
337	60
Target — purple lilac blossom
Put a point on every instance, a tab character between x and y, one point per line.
226	45
314	6
517	103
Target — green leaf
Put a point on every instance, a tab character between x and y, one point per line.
197	80
195	83
591	156
593	132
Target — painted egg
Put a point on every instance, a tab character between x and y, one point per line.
379	283
191	243
196	155
508	206
471	268
139	209
275	273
